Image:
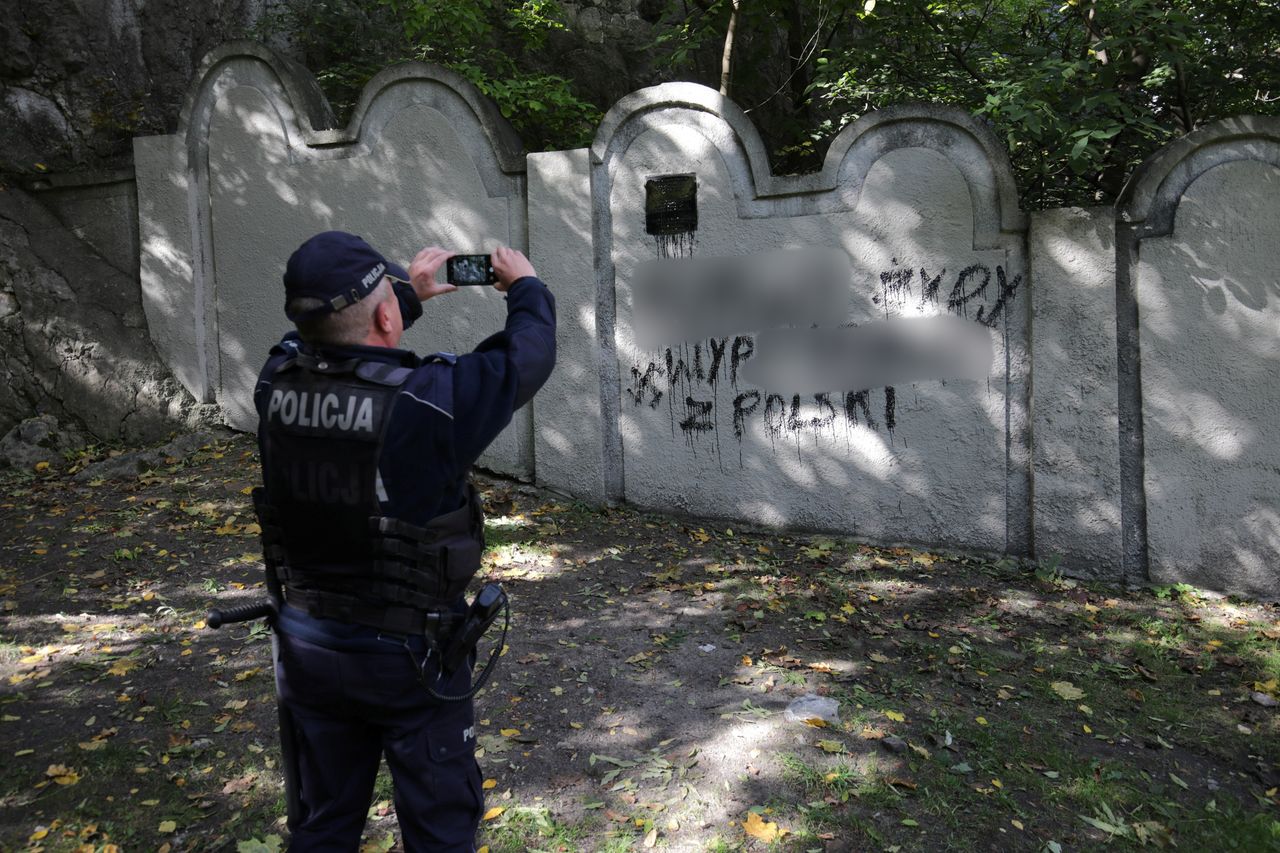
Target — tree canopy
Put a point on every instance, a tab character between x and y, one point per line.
1080	92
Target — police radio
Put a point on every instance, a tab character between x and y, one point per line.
478	619
480	616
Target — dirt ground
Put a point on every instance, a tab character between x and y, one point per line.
642	698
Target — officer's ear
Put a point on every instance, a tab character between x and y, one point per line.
383	321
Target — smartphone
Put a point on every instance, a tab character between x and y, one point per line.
463	270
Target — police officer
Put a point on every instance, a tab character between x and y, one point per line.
374	530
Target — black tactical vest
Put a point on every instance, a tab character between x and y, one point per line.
323	529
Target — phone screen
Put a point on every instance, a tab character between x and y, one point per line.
464	270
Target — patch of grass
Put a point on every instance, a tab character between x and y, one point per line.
525	828
840	780
383	785
1227	826
1265	655
111	760
1099	783
169	707
10	651
670	639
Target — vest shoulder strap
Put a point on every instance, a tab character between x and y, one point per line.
381	373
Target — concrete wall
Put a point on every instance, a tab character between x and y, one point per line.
254	172
1202	222
1075	421
907	195
1119	417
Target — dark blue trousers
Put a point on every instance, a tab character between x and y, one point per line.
351	708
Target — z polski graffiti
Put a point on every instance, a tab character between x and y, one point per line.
686	379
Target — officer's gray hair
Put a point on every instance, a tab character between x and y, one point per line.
339	328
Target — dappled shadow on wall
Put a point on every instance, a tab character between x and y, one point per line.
1209	305
920	460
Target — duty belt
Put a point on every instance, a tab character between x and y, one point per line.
407	588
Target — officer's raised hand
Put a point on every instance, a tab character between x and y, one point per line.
422	272
509	266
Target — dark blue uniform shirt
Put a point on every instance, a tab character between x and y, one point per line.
444	416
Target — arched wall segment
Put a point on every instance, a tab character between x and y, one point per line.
921	201
759	210
424	160
1198	442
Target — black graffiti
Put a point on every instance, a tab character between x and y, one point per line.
741	412
677	373
896	285
775	414
1007	291
795	423
959	300
929	286
739	356
699	418
645	382
855	400
717	348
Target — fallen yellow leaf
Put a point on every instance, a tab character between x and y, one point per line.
982	721
896	716
494	812
508	732
758	827
167	826
122	667
62	774
490	784
1067	690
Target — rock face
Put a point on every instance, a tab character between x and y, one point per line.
73	339
133	463
79	78
36	440
606	47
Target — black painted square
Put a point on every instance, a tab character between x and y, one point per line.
671	204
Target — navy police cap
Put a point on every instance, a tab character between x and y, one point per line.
337	268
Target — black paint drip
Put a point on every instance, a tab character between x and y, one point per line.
679	245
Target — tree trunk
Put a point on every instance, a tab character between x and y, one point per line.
726	58
798	63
